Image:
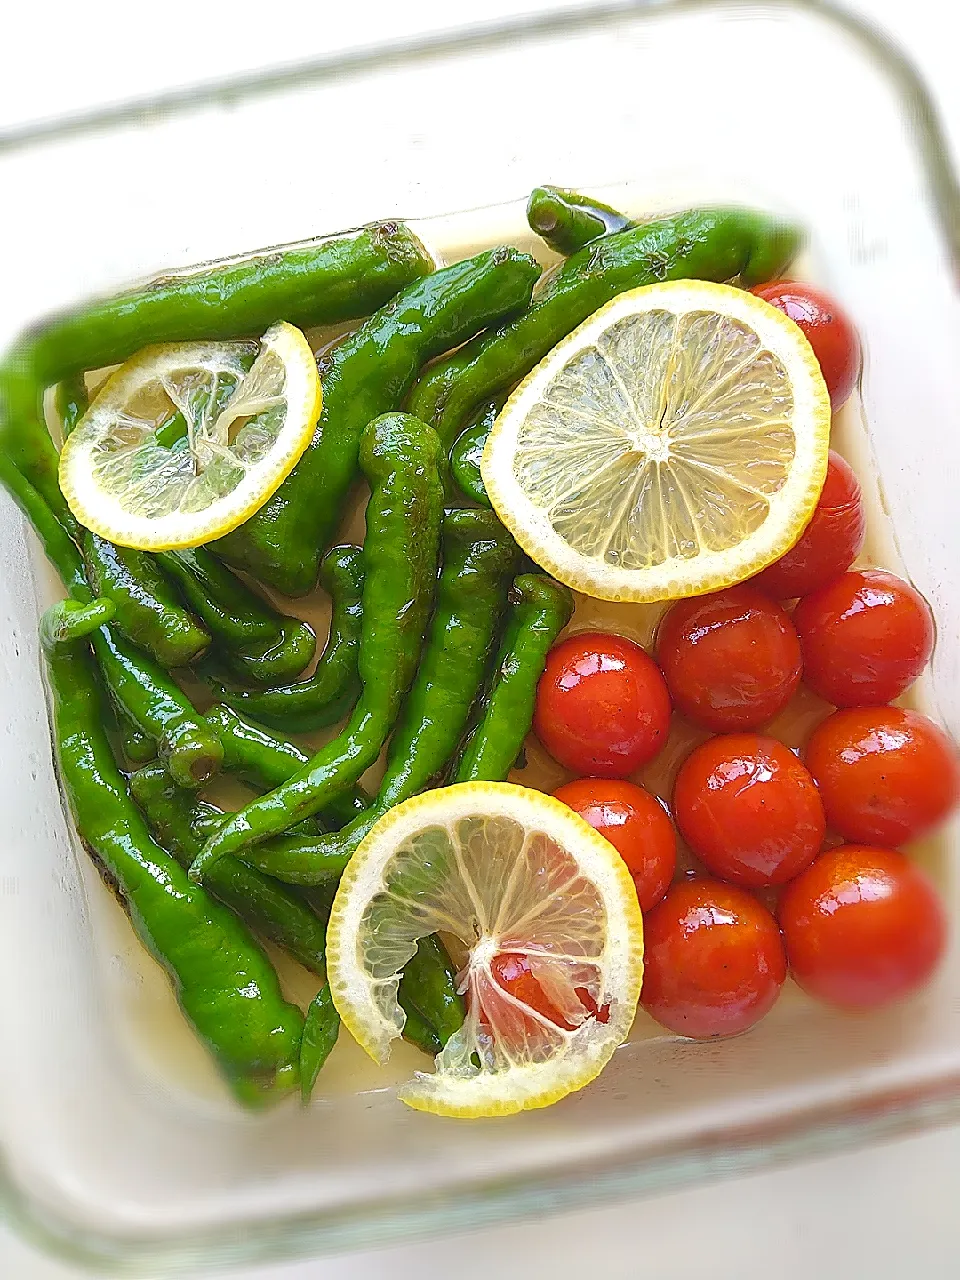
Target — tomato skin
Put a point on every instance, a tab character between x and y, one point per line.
865	638
749	809
637	826
862	926
826	327
731	659
886	775
830	543
714	961
512	971
602	705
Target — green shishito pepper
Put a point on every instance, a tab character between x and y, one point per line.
567	220
253	639
322	281
702	244
148	611
320	1031
136	746
143	692
224	982
428	986
400	457
267	907
70	401
540	609
334	687
479	559
467	452
159	707
367	374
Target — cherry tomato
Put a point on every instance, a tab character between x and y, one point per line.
829	544
636	825
885	775
749	809
862	926
513	972
713	960
602	705
865	638
827	329
731	660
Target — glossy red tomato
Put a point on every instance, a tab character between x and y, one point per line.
731	660
713	960
862	926
829	544
885	775
827	329
749	809
602	705
513	972
635	823
865	638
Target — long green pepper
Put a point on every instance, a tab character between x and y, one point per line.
701	244
400	457
540	609
479	559
265	761
142	691
148	610
368	374
322	281
224	982
467	451
334	686
181	823
567	220
159	707
252	638
266	906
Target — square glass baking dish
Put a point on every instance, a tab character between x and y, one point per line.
112	1153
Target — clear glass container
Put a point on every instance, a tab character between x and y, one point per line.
118	1149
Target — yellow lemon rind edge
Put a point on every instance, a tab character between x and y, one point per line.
545	813
207	530
630	584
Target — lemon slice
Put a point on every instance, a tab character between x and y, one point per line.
675	443
246	412
499	871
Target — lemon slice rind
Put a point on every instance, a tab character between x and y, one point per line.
790	507
104	510
455	1090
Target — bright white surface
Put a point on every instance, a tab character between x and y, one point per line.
807	1219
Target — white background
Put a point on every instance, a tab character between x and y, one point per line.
882	1212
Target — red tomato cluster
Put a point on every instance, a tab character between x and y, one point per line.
858	923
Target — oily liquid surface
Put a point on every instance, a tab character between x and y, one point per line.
145	1015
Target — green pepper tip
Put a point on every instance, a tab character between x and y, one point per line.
71	620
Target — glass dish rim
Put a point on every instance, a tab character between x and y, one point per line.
386	1221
